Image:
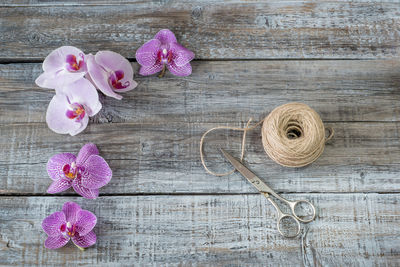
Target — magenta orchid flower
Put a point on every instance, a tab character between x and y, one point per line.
70	108
62	66
111	73
71	223
164	50
85	173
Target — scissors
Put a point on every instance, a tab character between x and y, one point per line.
267	192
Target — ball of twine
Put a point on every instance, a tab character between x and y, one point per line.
293	135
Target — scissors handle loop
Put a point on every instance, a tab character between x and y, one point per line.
305	205
288	226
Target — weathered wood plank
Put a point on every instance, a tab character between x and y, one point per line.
227	92
164	158
226	30
229	230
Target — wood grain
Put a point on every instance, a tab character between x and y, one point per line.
161	208
213	30
230	230
164	158
227	92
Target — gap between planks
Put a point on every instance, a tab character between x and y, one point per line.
71	195
133	60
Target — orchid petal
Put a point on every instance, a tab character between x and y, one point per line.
145	71
83	191
180	70
51	224
71	210
85	222
99	76
85	152
56	64
97	173
84	122
56	163
65	77
58	121
59	185
166	37
146	55
132	85
47	80
84	241
57	58
181	55
54	242
54	80
84	93
114	62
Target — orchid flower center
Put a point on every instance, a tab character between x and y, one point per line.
115	79
75	112
164	56
70	170
72	64
68	229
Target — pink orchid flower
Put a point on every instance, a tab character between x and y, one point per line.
163	51
70	108
85	173
71	223
62	66
111	73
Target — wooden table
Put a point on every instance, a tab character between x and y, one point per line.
161	208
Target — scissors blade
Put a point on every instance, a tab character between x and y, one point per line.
253	179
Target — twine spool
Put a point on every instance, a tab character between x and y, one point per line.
293	135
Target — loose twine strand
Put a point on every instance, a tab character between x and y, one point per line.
293	135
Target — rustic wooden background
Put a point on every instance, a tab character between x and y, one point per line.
161	208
